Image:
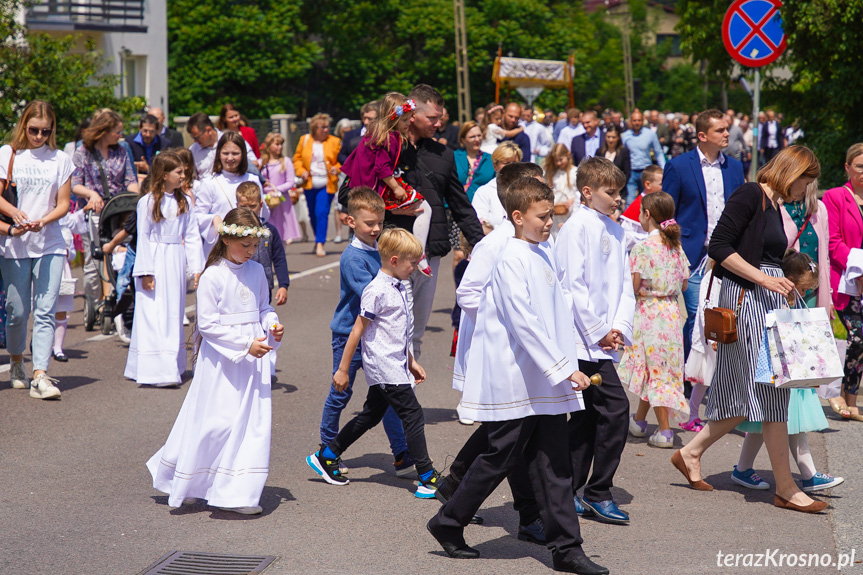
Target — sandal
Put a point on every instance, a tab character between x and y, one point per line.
838	405
854	413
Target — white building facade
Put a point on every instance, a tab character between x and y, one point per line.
132	35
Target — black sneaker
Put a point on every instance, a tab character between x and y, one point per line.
404	465
427	489
327	468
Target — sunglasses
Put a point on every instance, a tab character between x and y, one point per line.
45	132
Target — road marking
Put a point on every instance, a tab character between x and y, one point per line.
100	337
313	271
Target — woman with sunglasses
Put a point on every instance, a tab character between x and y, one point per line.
33	252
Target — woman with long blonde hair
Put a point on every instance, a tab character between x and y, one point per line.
279	183
560	175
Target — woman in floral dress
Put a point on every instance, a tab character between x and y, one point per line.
653	366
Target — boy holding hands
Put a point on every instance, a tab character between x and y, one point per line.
384	326
591	259
359	264
521	380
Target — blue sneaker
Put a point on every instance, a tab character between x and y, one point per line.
821	481
427	489
748	479
404	465
326	468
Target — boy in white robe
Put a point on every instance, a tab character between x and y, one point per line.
591	259
468	294
522	379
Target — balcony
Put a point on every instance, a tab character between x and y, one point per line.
88	15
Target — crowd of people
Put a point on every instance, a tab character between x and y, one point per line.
575	238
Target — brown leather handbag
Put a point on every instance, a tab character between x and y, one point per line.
720	323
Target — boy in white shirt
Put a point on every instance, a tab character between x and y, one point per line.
521	380
591	259
385	327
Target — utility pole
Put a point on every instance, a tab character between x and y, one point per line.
629	85
627	63
462	78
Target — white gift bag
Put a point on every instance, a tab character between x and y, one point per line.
802	348
834	388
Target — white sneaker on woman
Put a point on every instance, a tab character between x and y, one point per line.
256	510
19	376
42	387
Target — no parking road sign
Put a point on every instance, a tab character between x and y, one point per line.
752	32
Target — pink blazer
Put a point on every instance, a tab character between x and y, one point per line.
819	223
846	232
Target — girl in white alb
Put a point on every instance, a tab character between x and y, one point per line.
219	447
167	239
218	193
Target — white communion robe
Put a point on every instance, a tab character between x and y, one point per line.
157	352
524	342
469	291
219	447
592	263
217	196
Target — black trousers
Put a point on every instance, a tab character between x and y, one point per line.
524	501
597	434
540	441
404	402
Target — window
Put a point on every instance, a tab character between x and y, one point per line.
674	40
134	74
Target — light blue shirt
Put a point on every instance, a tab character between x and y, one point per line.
639	146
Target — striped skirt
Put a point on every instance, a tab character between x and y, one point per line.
733	392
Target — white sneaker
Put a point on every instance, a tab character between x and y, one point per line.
186	502
19	377
635	429
337	240
256	510
659	440
42	387
461	419
186	320
120	326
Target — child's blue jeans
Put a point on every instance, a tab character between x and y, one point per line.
124	278
337	401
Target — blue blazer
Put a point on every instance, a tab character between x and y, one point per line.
577	147
683	180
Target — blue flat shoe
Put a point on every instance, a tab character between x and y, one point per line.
607	511
581	509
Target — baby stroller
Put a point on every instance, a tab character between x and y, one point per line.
102	228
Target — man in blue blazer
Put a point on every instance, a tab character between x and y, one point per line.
586	145
700	182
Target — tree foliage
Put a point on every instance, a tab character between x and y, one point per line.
825	90
37	66
334	55
254	54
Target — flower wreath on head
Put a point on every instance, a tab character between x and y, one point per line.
243	231
408	106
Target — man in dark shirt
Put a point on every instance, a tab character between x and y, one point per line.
510	122
447	134
147	143
351	139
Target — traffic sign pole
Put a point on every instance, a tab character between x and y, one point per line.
756	104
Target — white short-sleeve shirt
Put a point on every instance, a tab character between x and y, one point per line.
38	175
386	339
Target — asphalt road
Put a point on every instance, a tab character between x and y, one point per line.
77	498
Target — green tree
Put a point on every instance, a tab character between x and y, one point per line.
37	66
253	54
825	90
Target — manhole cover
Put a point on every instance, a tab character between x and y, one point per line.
199	563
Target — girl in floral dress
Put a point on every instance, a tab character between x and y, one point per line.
653	366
